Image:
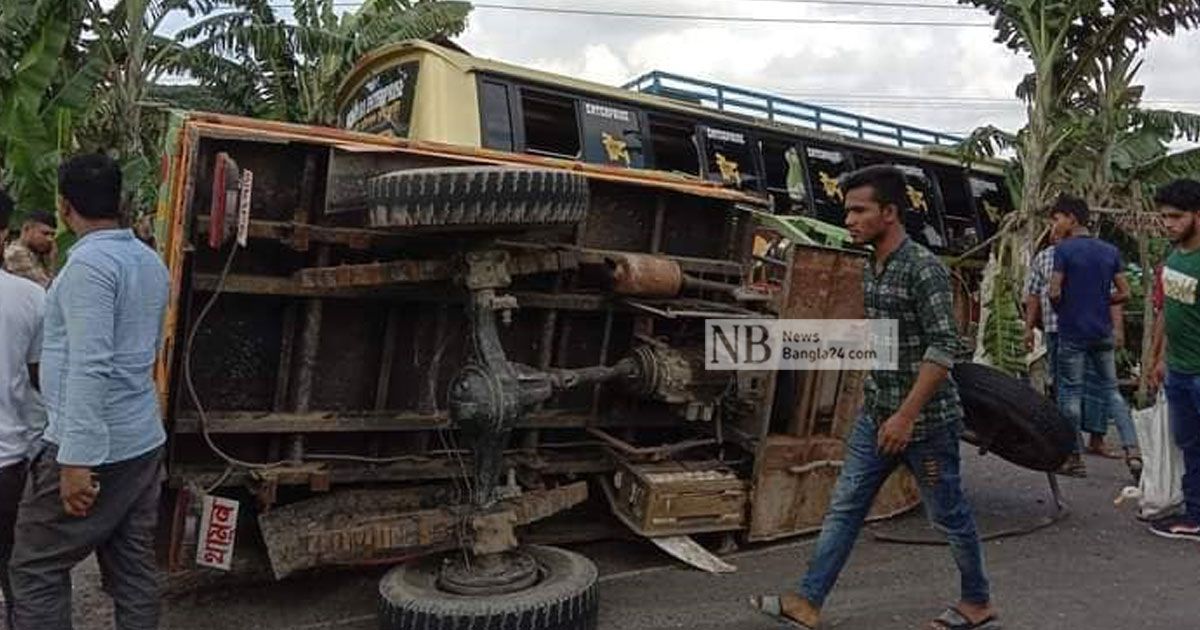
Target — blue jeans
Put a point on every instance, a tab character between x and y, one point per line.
1092	366
935	462
1183	403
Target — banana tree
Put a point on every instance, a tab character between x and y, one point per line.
290	69
1066	42
47	79
128	38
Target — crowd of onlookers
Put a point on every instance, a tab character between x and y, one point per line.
1075	291
81	433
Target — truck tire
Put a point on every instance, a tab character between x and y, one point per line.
1006	416
460	197
564	599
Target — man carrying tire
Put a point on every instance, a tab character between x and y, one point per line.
1086	270
1179	203
912	415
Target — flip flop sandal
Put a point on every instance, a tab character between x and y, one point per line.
1102	452
771	606
953	619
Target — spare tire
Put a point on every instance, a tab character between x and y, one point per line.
564	598
1006	416
460	197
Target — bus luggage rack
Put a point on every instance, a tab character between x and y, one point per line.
744	102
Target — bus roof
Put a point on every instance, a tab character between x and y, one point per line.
472	64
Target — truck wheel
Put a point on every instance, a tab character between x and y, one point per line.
460	197
563	598
1011	419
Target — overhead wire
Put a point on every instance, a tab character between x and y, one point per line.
699	17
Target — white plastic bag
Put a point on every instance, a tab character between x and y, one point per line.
1161	486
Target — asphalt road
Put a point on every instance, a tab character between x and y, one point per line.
1097	570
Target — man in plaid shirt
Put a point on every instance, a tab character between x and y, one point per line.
911	415
1039	310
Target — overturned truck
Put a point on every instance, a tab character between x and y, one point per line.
378	350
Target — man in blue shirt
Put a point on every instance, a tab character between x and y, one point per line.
1085	271
94	480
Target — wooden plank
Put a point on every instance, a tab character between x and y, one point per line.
244	422
374	274
286	231
291	287
350	527
417	468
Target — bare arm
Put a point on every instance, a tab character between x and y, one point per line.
1117	313
929	379
1158	344
1056	285
1121	294
1033	312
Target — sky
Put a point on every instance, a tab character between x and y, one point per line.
950	79
947	78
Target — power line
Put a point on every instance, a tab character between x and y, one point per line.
692	17
849	3
730	18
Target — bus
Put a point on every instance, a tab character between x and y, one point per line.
426	92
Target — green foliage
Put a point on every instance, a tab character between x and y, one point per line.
1002	335
251	58
46	76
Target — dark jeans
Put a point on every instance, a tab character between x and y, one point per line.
119	529
1092	366
1183	403
935	462
12	482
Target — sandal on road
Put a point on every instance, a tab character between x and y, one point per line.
953	619
771	606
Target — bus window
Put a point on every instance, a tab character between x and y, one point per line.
496	112
825	167
924	219
785	178
612	135
551	124
729	158
673	144
958	216
991	202
384	104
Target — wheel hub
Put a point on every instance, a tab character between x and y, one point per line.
493	574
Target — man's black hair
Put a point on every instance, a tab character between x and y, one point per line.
886	181
92	184
1183	194
1072	206
43	217
6	211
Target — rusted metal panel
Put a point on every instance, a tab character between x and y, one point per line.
794	481
823	284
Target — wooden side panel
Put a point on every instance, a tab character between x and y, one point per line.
794	484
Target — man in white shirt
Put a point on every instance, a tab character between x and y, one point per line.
22	415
